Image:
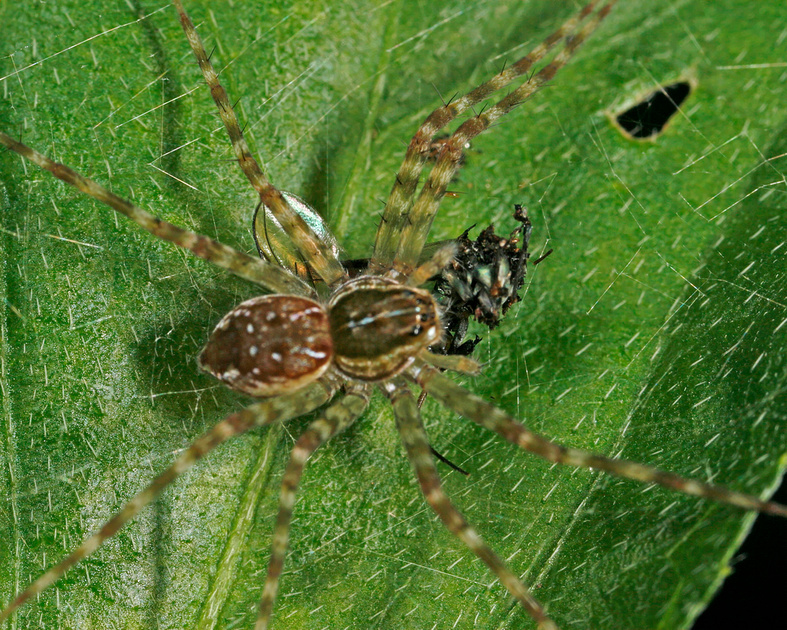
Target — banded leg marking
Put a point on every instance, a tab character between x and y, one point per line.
400	198
317	253
473	408
261	414
416	443
271	277
333	421
419	220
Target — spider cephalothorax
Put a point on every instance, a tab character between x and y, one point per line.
379	326
372	333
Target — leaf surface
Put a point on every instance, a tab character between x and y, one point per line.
656	331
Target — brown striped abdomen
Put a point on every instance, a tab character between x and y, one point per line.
270	345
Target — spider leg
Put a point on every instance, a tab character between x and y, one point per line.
317	253
260	414
466	404
416	443
439	261
263	273
419	219
395	213
453	362
332	421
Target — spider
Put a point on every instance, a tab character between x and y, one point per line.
399	273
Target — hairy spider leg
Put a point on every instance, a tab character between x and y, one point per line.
439	261
401	196
416	444
470	406
261	414
453	362
317	254
271	277
335	419
419	219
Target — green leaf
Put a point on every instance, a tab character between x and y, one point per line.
656	331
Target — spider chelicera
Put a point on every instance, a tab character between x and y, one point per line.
299	350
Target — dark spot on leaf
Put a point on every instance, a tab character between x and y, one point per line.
649	117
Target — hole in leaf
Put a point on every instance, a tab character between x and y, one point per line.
648	117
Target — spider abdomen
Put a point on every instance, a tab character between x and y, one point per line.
270	345
379	326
